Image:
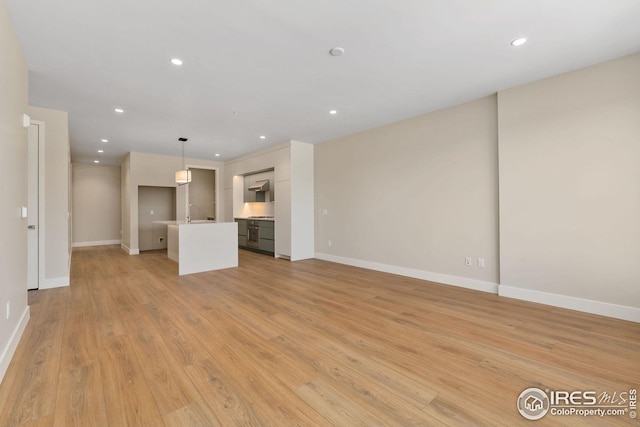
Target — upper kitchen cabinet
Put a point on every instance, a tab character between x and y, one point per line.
282	158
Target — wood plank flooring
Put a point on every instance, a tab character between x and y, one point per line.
310	343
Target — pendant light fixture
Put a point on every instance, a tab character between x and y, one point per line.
183	176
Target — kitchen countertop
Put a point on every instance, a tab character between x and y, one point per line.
197	221
272	219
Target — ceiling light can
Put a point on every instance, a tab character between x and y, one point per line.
519	41
336	51
176	61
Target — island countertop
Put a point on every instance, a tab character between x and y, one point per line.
197	221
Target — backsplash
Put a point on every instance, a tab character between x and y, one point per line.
257	209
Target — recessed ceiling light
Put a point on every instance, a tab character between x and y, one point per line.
96	161
519	42
118	110
100	151
104	140
235	113
333	112
217	154
336	51
263	137
176	61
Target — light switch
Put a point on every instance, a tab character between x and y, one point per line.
24	212
325	212
151	212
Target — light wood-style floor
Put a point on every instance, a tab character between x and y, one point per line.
310	343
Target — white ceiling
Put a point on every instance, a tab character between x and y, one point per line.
269	62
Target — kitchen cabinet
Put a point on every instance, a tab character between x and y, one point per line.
242	232
292	167
261	230
295	209
267	236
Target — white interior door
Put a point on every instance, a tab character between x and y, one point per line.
33	208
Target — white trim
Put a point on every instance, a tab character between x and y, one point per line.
463	282
631	314
42	253
129	250
57	282
96	243
615	311
10	348
41	200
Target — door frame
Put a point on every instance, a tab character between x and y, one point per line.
40	227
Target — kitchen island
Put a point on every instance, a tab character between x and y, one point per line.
202	245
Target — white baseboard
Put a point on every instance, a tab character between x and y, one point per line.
573	303
129	250
96	243
631	314
464	282
10	349
57	282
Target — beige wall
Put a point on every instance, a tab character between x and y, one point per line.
13	194
417	196
96	204
56	198
420	194
155	171
570	184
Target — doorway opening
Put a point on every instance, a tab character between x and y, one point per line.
201	195
155	204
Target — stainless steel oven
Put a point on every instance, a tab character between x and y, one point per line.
253	234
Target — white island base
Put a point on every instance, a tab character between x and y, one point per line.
205	246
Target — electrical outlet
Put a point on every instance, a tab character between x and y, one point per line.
467	261
329	243
481	262
8	309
